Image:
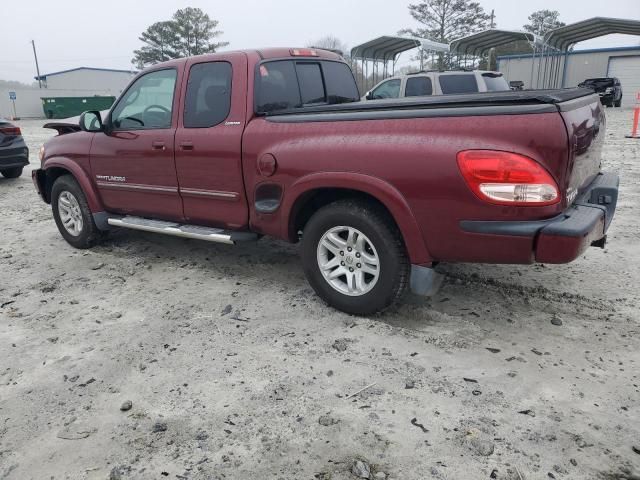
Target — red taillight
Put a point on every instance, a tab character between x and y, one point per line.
506	178
303	52
10	131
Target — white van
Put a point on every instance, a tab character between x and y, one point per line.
423	84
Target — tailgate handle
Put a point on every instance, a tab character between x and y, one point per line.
186	145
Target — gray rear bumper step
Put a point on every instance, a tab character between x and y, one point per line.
208	234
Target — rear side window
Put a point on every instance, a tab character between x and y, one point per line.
289	84
458	83
418	87
208	98
495	82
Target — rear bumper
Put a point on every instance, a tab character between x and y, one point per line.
14	156
563	238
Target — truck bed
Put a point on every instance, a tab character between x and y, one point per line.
543	101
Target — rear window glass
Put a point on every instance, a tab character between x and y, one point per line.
289	84
278	87
341	87
495	82
311	85
458	83
418	87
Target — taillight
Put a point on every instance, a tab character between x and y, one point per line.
10	131
303	52
506	178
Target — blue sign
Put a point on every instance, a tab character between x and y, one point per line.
12	95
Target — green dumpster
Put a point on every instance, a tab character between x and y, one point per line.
65	107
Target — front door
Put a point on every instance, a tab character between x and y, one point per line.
133	164
209	142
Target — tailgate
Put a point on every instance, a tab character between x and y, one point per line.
586	124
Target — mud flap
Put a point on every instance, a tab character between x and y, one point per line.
425	281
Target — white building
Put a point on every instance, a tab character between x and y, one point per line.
621	62
77	82
88	80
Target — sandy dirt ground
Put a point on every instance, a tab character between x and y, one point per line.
234	369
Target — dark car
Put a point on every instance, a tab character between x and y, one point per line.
609	89
14	154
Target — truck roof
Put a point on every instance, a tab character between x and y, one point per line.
263	54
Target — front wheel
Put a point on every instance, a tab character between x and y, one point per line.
72	214
354	257
12	172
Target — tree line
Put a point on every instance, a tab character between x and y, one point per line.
190	31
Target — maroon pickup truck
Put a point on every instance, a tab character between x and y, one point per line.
232	146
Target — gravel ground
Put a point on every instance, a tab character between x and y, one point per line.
235	370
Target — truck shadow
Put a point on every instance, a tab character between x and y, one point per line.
473	298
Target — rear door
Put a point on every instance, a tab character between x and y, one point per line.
209	142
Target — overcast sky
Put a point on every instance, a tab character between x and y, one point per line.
74	33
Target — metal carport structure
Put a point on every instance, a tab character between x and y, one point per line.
478	44
559	41
382	53
481	42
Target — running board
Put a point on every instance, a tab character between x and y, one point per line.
208	234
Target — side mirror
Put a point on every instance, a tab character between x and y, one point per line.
369	95
91	121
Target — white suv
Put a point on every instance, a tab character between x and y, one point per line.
423	84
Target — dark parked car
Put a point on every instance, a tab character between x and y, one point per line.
14	154
609	89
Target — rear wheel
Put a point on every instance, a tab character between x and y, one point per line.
72	215
619	102
12	172
354	257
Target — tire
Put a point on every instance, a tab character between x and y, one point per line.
12	172
618	103
75	209
373	233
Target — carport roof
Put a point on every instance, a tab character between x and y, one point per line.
45	75
564	37
388	47
480	42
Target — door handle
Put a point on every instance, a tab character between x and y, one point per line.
157	145
186	146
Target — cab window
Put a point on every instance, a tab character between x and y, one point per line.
418	87
148	103
388	89
208	97
290	84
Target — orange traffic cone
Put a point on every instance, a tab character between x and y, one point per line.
636	119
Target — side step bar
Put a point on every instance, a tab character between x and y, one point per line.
208	234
